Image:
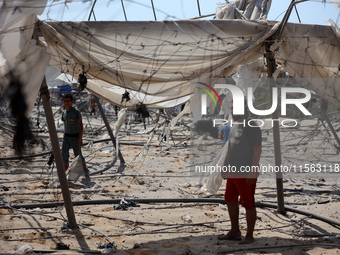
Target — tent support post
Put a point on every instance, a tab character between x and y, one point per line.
122	161
45	96
271	64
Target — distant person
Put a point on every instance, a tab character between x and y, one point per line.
92	105
73	132
115	107
243	156
224	133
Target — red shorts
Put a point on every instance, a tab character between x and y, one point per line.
239	187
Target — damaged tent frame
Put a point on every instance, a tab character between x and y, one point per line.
270	63
55	142
172	200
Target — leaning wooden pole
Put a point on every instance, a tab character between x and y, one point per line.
45	96
271	64
122	161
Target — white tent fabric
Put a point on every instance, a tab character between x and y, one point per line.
215	179
114	94
159	60
55	78
312	53
18	52
244	9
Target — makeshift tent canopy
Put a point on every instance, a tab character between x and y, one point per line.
312	53
158	61
18	52
244	9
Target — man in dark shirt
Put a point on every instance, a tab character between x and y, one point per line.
73	132
242	161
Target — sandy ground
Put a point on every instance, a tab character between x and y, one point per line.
161	171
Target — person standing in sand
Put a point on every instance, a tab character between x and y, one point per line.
73	132
242	162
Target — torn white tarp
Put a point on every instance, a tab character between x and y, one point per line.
312	53
18	52
244	9
214	181
112	93
121	119
55	78
336	29
157	60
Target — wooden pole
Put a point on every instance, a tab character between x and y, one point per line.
271	65
109	129
45	96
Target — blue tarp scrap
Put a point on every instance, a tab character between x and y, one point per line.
65	226
108	246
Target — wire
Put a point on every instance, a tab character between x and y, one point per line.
153	8
297	13
95	1
54	217
199	9
123	9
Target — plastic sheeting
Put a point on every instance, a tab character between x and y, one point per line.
18	52
121	118
157	60
312	53
214	181
244	9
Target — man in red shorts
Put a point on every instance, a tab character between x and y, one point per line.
242	161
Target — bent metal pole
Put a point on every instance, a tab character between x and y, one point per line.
122	161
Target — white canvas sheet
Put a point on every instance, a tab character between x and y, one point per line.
18	52
157	60
312	53
244	9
